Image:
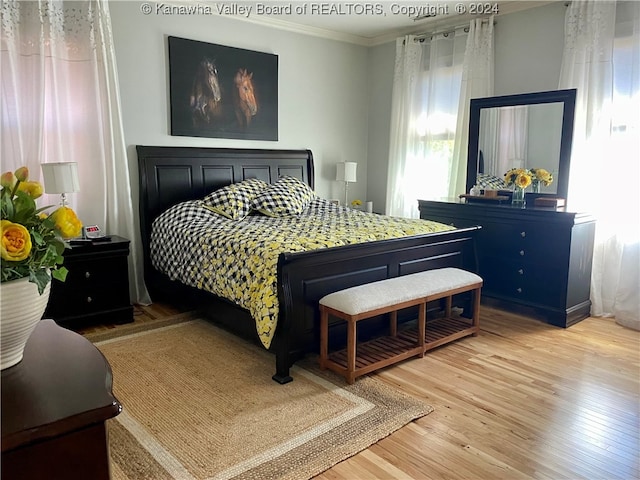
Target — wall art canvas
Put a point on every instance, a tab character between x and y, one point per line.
220	91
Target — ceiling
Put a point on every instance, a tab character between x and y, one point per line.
368	23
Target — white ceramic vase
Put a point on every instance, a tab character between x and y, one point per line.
21	308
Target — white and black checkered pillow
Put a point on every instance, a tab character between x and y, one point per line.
288	196
234	201
485	180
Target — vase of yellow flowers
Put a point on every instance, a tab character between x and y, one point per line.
520	178
31	249
540	177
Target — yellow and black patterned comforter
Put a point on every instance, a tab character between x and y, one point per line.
238	260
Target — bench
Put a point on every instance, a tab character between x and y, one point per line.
388	297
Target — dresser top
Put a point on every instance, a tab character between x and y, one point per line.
62	382
507	211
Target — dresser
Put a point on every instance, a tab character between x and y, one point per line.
55	407
97	285
535	261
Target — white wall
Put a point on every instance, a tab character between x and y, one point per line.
335	98
323	102
528	55
528	50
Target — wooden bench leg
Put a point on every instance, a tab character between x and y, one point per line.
324	338
447	311
393	323
422	326
476	311
351	351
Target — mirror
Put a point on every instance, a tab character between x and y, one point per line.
530	130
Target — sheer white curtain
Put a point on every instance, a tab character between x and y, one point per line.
434	79
404	141
60	103
601	59
477	82
512	137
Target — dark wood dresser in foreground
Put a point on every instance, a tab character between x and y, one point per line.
535	261
55	403
97	286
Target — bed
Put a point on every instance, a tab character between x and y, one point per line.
169	176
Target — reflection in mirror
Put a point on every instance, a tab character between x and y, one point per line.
532	130
524	136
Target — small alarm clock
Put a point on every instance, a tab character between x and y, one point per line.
92	231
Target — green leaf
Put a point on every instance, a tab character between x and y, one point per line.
40	277
60	274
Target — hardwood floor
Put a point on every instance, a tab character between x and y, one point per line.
522	400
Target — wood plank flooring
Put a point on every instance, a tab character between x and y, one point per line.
522	400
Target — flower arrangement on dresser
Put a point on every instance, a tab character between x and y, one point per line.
32	241
518	177
31	249
540	176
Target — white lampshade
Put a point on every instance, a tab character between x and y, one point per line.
346	171
61	177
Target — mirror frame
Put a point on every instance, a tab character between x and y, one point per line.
566	97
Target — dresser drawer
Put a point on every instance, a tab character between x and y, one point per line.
98	271
534	242
524	280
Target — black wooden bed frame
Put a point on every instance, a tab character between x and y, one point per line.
169	175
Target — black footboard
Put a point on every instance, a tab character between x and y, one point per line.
304	278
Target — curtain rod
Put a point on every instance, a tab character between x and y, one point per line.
423	36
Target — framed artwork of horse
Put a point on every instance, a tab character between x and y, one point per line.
220	91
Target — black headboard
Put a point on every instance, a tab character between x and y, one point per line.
169	175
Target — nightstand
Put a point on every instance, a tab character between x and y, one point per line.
97	286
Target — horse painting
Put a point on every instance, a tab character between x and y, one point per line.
206	95
245	102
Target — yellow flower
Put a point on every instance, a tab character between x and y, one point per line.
16	242
67	222
8	180
523	180
356	203
22	174
542	175
33	189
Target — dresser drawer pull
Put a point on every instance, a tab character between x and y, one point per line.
519	290
522	253
89	299
523	234
521	272
87	274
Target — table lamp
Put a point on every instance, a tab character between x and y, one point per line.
346	173
62	178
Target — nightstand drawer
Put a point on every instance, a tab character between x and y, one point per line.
88	301
98	271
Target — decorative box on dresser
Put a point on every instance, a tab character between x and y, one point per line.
97	285
534	261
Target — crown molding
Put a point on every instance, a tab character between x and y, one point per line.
421	26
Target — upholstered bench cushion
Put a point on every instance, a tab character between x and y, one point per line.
393	291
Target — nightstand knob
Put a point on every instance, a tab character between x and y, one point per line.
523	234
521	272
519	290
87	274
522	253
89	299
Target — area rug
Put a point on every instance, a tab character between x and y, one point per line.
199	403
